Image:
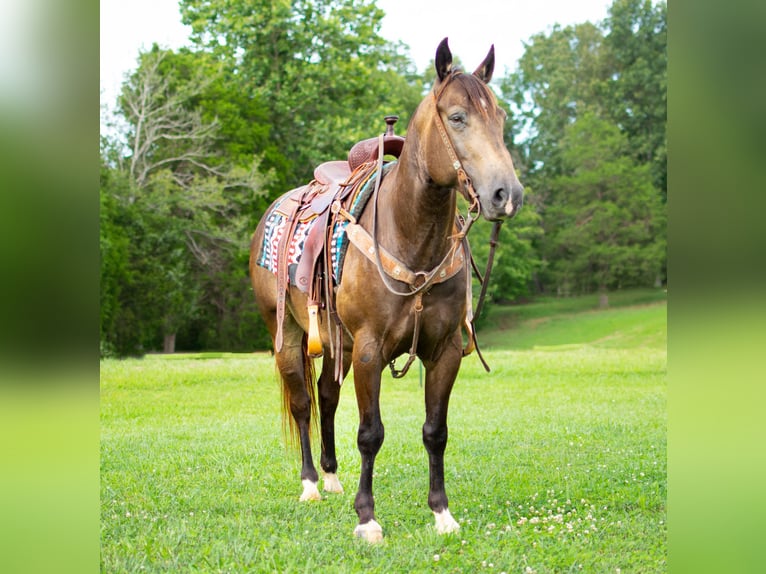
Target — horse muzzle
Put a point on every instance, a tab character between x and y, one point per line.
505	202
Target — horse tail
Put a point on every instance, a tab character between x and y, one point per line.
289	426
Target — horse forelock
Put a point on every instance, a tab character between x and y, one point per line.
480	95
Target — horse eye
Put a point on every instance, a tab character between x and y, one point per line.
457	118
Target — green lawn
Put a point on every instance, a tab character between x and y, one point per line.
634	319
556	461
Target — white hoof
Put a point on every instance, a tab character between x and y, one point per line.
445	523
310	491
331	483
371	532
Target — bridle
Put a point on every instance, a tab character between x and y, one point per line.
465	185
424	280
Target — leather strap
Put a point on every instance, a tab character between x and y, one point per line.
395	269
464	182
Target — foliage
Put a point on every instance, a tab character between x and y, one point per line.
186	205
325	73
637	59
605	231
596	76
114	249
559	76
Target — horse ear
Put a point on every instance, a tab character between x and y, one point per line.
485	69
443	60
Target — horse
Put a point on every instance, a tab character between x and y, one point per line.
454	145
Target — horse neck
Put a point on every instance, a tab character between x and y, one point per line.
422	215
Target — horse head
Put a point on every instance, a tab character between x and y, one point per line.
462	142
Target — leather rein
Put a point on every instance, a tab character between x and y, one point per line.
424	280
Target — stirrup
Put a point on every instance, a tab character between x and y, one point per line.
314	347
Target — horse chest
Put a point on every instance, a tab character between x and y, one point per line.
365	306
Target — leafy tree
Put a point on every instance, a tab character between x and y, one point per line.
616	72
559	77
114	248
607	232
326	75
186	202
636	97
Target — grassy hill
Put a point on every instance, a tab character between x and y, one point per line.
635	318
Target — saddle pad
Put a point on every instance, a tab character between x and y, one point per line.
275	227
276	224
339	240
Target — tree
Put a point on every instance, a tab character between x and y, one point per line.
559	77
615	72
185	201
607	232
636	96
320	65
114	249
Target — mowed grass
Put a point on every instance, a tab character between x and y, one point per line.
556	463
636	318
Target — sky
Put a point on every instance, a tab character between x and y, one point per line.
471	26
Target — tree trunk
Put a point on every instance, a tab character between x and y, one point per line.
169	343
603	298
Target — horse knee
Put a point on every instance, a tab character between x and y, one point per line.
435	438
370	438
329	389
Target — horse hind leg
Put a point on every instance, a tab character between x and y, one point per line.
298	400
329	395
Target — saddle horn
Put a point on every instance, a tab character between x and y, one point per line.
367	150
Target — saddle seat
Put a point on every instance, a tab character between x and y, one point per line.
332	172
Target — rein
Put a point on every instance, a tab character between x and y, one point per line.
423	281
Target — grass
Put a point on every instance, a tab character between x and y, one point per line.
636	318
556	463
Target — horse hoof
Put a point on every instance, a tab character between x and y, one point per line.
310	491
331	483
445	523
370	531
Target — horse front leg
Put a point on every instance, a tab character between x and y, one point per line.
440	377
367	371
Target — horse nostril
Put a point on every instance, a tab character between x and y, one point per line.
500	198
518	195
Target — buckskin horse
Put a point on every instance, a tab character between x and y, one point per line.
369	261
